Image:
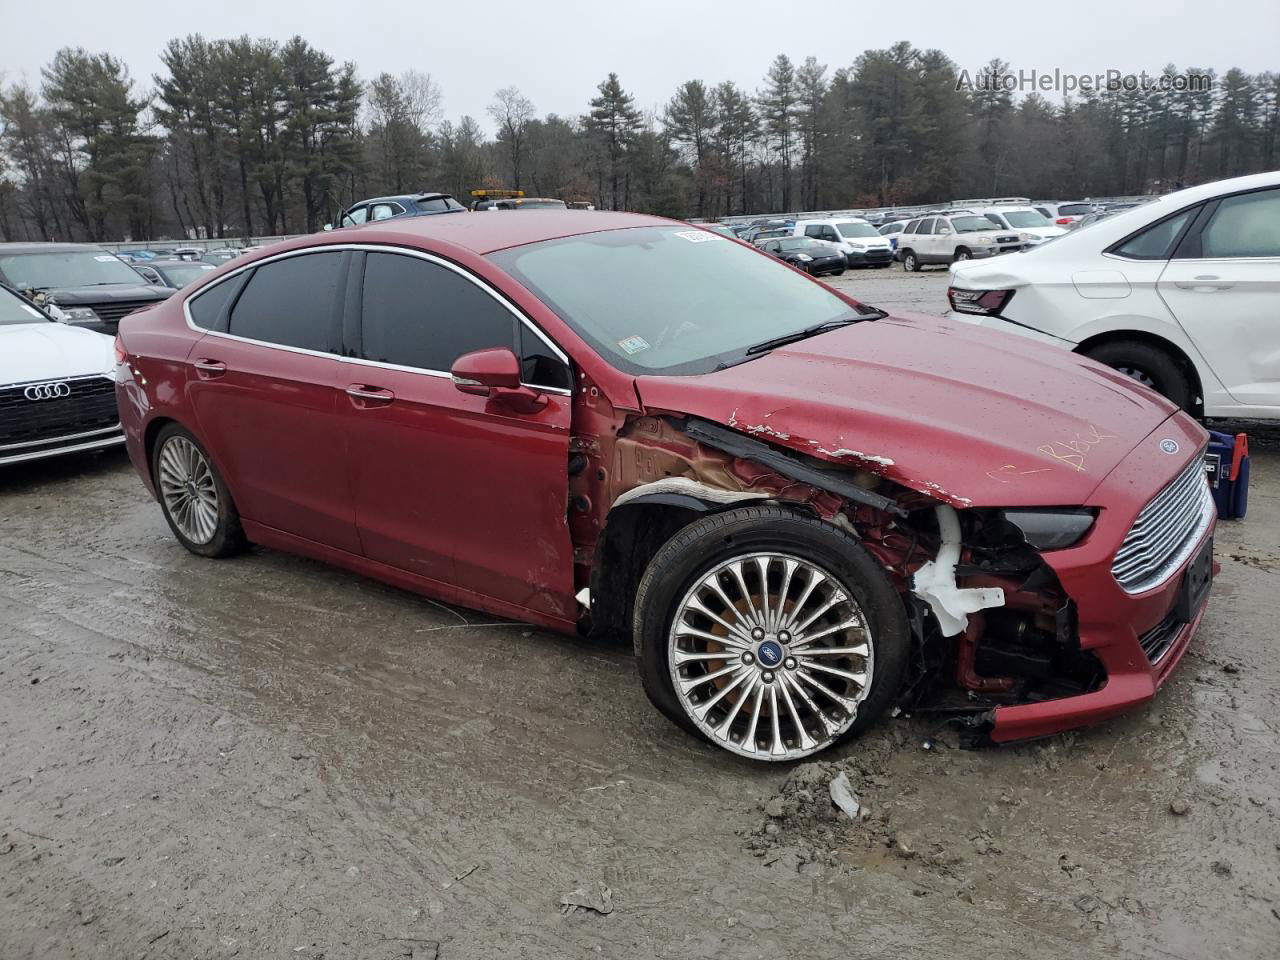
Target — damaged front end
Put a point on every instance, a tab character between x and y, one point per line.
992	625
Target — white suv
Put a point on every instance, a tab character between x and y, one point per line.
1032	226
1182	294
953	237
860	242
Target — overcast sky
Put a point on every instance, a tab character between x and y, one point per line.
557	51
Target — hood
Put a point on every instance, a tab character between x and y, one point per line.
75	296
970	416
52	351
1046	232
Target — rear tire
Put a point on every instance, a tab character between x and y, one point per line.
1150	366
788	539
196	502
910	262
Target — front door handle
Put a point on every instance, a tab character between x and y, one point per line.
363	395
209	369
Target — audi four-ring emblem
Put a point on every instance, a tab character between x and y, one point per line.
47	391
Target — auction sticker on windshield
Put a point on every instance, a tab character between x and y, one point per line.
634	344
695	236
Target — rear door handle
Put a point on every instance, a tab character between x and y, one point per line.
209	369
364	395
1203	284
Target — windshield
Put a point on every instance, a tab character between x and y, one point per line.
13	310
1025	218
184	273
661	300
72	268
970	224
851	228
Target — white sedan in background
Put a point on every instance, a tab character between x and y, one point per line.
57	391
1182	294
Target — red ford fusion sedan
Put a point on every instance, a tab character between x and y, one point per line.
802	509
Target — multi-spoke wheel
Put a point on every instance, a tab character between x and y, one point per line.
195	501
769	633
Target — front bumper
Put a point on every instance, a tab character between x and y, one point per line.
57	446
1138	639
869	257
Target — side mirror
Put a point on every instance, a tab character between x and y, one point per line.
495	374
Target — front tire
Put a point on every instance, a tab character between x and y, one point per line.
962	254
1150	366
196	502
769	633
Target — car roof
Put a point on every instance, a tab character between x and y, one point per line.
12	248
403	198
482	235
176	263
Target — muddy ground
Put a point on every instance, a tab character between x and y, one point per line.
264	757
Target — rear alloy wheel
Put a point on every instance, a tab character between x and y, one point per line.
910	263
196	502
769	633
1149	365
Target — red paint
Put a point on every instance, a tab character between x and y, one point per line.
466	496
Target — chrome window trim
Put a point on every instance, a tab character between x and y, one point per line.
511	308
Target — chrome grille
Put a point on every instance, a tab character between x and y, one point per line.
111	311
1166	531
89	405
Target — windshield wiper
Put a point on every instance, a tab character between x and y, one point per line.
812	331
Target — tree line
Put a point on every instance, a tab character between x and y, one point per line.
250	137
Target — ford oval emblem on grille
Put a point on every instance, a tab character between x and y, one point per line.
47	391
1169	446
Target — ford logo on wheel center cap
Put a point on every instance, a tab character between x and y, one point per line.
1169	445
770	653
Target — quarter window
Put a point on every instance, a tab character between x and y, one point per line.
207	306
292	302
419	314
1156	242
1244	226
384	211
353	218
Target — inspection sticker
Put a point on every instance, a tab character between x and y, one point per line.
634	344
105	259
695	236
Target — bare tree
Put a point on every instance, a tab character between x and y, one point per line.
512	113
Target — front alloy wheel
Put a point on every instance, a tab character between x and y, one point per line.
770	655
769	632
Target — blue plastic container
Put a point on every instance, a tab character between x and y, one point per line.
1226	464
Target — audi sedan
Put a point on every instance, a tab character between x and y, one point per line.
56	391
801	509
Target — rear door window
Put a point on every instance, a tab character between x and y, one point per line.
1244	226
1156	241
419	314
292	302
353	218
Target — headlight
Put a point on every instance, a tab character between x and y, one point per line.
1029	238
857	246
79	314
984	239
804	257
1052	529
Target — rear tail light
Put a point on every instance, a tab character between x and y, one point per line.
1063	220
985	302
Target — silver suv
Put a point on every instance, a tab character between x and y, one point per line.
953	236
